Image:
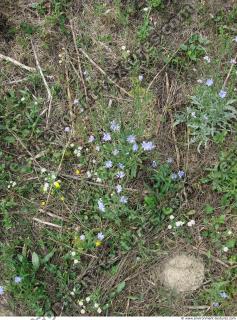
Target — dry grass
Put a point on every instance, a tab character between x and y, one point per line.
61	63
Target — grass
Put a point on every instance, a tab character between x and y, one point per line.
99	190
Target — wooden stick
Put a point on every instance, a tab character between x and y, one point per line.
211	256
17	63
175	140
197	307
24	147
229	73
96	183
47	223
52	215
70	103
162	69
59	166
50	98
78	59
103	72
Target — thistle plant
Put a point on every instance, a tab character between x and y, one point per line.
209	114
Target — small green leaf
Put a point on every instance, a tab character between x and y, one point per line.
9	139
35	261
150	201
184	47
48	257
20	257
209	209
191	212
231	244
120	286
167	211
221	219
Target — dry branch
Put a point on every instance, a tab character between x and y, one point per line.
103	72
50	98
229	73
78	59
163	68
17	63
47	223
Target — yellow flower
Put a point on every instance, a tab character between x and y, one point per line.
98	243
77	171
62	198
57	185
43	203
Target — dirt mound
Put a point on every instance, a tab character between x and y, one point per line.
5	311
182	273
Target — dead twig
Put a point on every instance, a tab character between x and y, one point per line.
118	98
15	81
50	98
17	63
170	94
163	68
32	157
175	140
52	215
78	59
69	97
197	307
78	178
188	151
103	72
212	257
47	223
229	73
59	167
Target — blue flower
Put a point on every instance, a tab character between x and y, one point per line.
114	126
215	304
174	176
115	152
100	236
101	205
169	160
223	295
135	147
120	175
222	94
118	188
148	145
91	139
181	174
108	164
121	166
1	291
209	82
17	279
123	199
106	136
131	139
